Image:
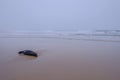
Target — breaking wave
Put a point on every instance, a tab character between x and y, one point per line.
96	35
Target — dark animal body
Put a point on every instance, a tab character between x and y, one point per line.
28	52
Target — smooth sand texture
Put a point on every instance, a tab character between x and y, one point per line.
59	59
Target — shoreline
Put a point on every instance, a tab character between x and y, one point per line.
64	38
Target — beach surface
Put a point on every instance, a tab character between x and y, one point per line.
59	59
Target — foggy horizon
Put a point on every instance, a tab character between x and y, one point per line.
37	15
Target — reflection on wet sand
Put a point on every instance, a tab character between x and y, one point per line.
23	58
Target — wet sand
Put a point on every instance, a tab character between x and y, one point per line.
59	59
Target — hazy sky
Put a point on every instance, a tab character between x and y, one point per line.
18	15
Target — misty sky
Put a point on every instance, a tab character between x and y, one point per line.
23	15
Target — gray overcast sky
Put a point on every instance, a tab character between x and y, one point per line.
18	15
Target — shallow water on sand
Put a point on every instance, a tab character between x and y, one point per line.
59	59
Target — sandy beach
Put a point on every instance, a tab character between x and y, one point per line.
59	59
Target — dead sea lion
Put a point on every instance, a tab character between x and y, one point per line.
28	52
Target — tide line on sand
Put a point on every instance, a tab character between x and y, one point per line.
66	37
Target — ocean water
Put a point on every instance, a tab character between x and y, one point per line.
90	35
